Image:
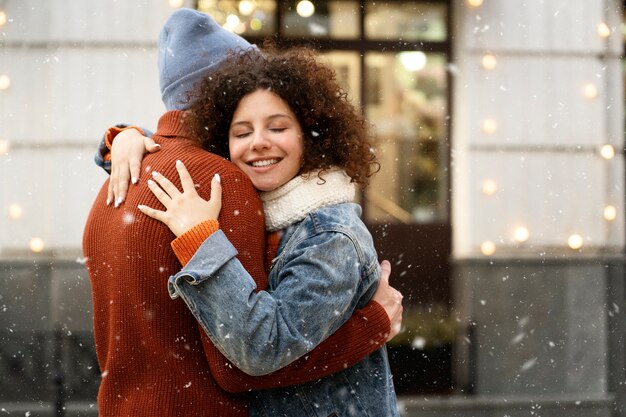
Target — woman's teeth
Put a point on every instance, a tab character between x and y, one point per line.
265	163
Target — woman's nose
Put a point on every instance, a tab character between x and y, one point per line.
260	141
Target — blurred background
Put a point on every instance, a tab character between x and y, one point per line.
500	202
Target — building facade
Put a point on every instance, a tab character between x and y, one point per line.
500	200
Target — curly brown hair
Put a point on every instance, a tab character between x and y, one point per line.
335	132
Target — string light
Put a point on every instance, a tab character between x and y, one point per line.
5	82
176	4
488	61
489	126
232	21
610	212
256	24
603	30
305	8
521	234
3	18
4	146
590	91
488	248
575	241
474	3
489	187
36	244
15	212
607	152
246	7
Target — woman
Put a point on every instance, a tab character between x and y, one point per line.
284	121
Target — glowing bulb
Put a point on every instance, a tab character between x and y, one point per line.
256	24
489	61
610	212
36	244
3	18
246	7
489	187
232	21
412	61
474	3
607	152
305	8
4	146
176	4
521	234
604	31
590	91
575	241
488	248
15	211
489	126
5	82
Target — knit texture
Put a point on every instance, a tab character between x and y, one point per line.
292	202
154	359
190	45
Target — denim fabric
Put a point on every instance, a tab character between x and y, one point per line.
326	267
103	150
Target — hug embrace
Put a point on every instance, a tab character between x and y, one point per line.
236	277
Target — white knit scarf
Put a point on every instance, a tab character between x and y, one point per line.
292	201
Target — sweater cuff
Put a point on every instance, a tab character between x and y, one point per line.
112	132
186	245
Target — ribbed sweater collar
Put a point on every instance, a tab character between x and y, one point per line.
293	201
171	124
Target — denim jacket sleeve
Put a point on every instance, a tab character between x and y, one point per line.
261	332
100	156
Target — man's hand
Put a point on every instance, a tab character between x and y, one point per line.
390	299
127	151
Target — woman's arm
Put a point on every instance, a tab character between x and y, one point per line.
364	332
262	332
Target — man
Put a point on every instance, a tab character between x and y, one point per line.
154	357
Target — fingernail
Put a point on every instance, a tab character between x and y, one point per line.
156	145
217	178
108	201
133	180
155	174
118	202
178	162
150	183
140	206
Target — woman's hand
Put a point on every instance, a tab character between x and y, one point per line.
390	299
183	210
127	151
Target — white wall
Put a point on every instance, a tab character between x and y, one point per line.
76	67
544	152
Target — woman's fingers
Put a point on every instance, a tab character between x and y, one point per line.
216	194
185	179
166	184
161	195
150	145
150	212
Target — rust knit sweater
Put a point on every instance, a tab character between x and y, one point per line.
154	358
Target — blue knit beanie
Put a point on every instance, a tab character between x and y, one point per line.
190	44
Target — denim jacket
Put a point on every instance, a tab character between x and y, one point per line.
326	267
